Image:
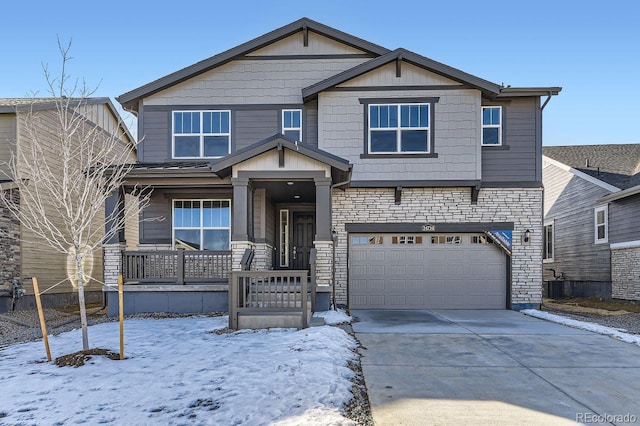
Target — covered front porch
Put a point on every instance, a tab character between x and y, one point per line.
261	246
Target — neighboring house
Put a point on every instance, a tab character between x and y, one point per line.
25	256
592	227
309	145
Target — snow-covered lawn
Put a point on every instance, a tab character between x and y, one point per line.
589	326
178	372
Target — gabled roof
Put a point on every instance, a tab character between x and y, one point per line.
11	105
222	167
488	88
129	99
615	164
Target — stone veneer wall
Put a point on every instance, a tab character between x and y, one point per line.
522	206
625	273
112	258
10	245
324	259
263	258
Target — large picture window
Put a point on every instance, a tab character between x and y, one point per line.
399	128
491	125
202	224
201	134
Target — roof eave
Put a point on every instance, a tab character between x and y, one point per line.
634	190
528	91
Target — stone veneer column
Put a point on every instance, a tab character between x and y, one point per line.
324	260
625	273
112	255
237	251
263	259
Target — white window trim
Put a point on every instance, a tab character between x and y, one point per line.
201	228
551	223
596	210
491	126
284	129
201	134
399	130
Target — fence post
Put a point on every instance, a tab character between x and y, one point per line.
312	267
180	267
303	287
233	301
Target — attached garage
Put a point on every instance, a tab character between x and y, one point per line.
426	271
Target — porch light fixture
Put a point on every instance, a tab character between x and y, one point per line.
290	183
527	236
297	197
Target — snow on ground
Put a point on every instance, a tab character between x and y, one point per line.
334	317
596	328
178	372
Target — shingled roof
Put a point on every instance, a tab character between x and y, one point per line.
615	164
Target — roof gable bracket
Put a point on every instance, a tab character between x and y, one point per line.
399	66
475	190
305	36
280	155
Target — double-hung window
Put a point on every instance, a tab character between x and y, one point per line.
399	128
491	125
202	224
548	241
601	218
201	134
292	124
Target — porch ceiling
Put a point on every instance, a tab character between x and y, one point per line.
282	192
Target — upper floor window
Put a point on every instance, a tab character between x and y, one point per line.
201	134
399	128
548	241
202	224
601	224
292	123
491	125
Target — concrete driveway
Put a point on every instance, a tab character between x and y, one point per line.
493	367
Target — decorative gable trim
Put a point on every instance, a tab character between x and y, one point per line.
129	99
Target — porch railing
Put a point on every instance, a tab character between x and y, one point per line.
176	266
265	292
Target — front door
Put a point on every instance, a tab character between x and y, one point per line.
304	229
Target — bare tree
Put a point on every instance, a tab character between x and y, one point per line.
66	172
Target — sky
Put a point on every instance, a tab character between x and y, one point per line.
590	49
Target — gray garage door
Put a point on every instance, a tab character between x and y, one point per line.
426	271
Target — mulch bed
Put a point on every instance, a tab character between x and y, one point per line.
78	359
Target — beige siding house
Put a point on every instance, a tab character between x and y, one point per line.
28	256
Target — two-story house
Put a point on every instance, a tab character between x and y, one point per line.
409	184
23	254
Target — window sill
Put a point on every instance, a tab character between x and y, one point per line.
399	155
496	147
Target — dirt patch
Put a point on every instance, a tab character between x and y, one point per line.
78	359
593	305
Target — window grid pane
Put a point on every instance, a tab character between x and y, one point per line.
202	224
208	134
399	128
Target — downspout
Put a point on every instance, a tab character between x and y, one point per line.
546	101
334	237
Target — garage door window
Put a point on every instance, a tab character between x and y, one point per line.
481	239
446	239
367	239
406	239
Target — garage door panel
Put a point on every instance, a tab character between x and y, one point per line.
427	276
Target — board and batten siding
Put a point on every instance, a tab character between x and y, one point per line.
7	143
569	201
624	220
518	160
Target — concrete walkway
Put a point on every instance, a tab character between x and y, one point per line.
493	367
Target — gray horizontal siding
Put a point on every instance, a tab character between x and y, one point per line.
311	123
520	161
156	143
252	126
624	220
570	201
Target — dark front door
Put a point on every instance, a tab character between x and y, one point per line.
304	228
